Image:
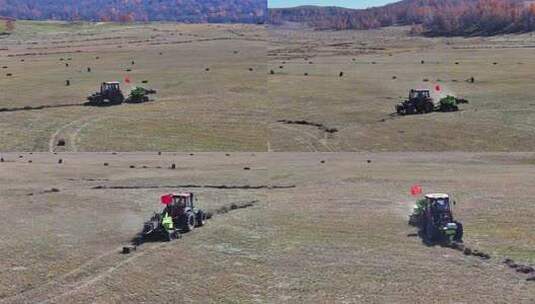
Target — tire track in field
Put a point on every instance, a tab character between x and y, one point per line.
54	138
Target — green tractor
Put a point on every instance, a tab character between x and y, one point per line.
434	218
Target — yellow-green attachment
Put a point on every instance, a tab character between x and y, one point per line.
167	222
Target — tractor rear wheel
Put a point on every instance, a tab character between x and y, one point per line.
430	232
188	223
428	107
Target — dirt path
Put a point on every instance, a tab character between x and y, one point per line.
70	131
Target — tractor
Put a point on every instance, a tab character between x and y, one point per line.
433	216
419	102
110	94
179	215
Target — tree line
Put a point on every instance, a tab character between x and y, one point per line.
194	11
430	17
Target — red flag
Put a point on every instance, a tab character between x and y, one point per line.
437	88
127	79
415	190
167	199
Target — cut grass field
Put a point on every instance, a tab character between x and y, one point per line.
195	109
379	67
339	236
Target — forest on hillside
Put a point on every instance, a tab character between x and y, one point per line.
194	11
430	17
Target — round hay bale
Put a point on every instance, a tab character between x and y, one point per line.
4	67
394	77
20	156
61	142
144	81
89	70
369	161
60	161
306	74
133	62
425	80
22	60
173	166
250	69
494	63
246	168
1	160
106	164
159	153
9	74
322	161
67	82
341	74
281	67
207	69
132	167
422	62
97	58
30	161
67	65
272	72
129	70
191	154
456	62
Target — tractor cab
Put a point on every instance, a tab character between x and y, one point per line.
439	206
419	94
112	86
178	203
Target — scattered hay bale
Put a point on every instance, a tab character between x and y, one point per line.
4	67
373	62
9	74
22	60
132	167
129	70
394	77
422	62
88	69
236	52
310	62
456	62
250	69
66	65
272	72
369	161
454	80
425	80
144	81
341	74
354	59
60	161
67	82
191	154
61	59
106	164
306	74
207	69
322	161
471	79
133	62
246	168
30	161
227	154
159	153
61	142
97	58
467	251
161	53
494	63
173	166
1	160
281	67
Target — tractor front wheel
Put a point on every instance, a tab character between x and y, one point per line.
201	218
459	233
188	223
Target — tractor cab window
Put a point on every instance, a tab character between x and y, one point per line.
442	205
180	201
